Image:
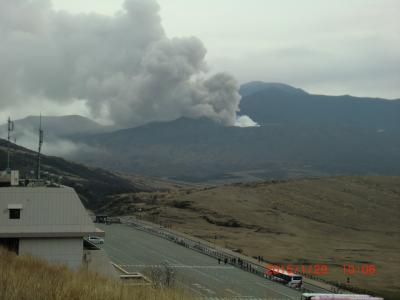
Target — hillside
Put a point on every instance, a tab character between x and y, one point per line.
275	104
334	221
24	277
93	185
301	135
199	150
258	86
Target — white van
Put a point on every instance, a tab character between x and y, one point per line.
96	240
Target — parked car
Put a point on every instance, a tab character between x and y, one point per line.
96	240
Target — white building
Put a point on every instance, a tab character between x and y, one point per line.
48	222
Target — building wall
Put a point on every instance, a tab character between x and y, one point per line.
44	210
67	251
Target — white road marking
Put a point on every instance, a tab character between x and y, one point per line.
274	290
233	293
203	288
190	288
240	298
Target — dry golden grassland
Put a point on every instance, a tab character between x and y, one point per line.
333	221
25	277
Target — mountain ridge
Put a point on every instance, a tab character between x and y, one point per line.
272	106
253	87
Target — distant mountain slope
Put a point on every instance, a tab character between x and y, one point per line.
300	135
201	150
285	107
94	185
257	86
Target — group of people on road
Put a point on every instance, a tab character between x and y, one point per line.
233	261
225	260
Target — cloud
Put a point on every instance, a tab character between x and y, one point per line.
322	47
123	67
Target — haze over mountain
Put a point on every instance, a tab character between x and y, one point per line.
300	135
57	130
93	184
55	126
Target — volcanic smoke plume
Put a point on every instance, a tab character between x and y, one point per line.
124	67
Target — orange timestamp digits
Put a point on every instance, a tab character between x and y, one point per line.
320	269
365	269
313	269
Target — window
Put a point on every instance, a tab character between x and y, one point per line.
297	277
15	213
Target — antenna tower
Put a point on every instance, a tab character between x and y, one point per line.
40	146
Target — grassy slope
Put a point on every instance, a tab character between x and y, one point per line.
337	220
29	278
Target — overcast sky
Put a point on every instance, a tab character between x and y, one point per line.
122	64
330	47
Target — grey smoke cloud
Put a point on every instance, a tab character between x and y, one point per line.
124	67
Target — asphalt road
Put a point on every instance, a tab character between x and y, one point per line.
136	250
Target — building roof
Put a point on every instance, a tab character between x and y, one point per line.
45	212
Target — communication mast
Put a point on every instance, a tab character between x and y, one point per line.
10	128
40	146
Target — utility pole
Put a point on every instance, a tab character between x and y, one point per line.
10	128
40	147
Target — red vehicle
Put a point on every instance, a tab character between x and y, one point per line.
288	278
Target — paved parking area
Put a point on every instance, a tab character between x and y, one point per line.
136	250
